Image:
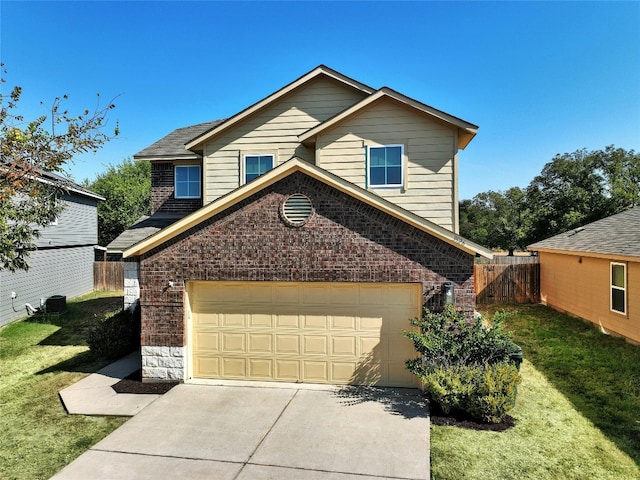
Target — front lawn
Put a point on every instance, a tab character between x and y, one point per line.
38	358
577	413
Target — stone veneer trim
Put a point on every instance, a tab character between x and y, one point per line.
163	363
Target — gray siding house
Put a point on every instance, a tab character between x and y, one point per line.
63	262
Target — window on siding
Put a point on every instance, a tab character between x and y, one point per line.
256	165
187	181
618	287
385	166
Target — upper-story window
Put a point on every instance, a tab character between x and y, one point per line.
618	287
385	166
256	165
187	181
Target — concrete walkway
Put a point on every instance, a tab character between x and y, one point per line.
93	395
255	432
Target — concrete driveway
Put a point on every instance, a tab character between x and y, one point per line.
280	432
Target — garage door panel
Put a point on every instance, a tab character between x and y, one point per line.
290	320
233	320
343	346
341	372
401	376
315	294
206	341
371	321
207	366
233	342
315	371
288	370
287	344
209	319
343	321
286	294
314	345
315	320
260	320
261	368
234	367
373	295
260	343
285	331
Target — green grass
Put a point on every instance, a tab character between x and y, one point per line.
39	357
577	413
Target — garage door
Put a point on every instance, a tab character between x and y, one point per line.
335	333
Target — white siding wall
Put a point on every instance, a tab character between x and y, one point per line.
274	130
430	155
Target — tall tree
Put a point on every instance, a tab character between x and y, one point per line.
29	150
497	219
573	189
581	187
127	191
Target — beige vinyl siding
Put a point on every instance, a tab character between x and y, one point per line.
273	130
429	150
581	285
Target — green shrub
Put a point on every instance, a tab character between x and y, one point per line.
494	395
486	393
449	387
465	366
116	335
448	338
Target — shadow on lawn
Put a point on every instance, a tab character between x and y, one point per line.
74	325
79	318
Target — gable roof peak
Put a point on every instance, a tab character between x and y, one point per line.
196	143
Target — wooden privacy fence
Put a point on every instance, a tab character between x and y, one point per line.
108	276
517	283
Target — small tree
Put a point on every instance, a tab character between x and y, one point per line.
127	191
29	198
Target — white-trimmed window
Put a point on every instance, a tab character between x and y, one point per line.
255	164
619	287
187	181
385	166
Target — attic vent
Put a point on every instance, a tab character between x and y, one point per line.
297	209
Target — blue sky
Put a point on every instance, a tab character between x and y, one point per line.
538	78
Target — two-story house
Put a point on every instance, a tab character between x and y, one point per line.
293	241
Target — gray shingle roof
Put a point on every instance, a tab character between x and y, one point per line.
615	235
173	144
64	182
143	228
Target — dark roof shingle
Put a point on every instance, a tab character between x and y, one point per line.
143	228
615	235
172	145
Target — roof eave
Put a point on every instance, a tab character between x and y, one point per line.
152	158
586	253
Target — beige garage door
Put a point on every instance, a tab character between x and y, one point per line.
302	332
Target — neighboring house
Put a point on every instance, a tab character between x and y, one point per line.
593	272
312	225
63	261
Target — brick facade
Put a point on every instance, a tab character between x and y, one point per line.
162	188
345	240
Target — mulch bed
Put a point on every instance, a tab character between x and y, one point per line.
134	384
463	421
